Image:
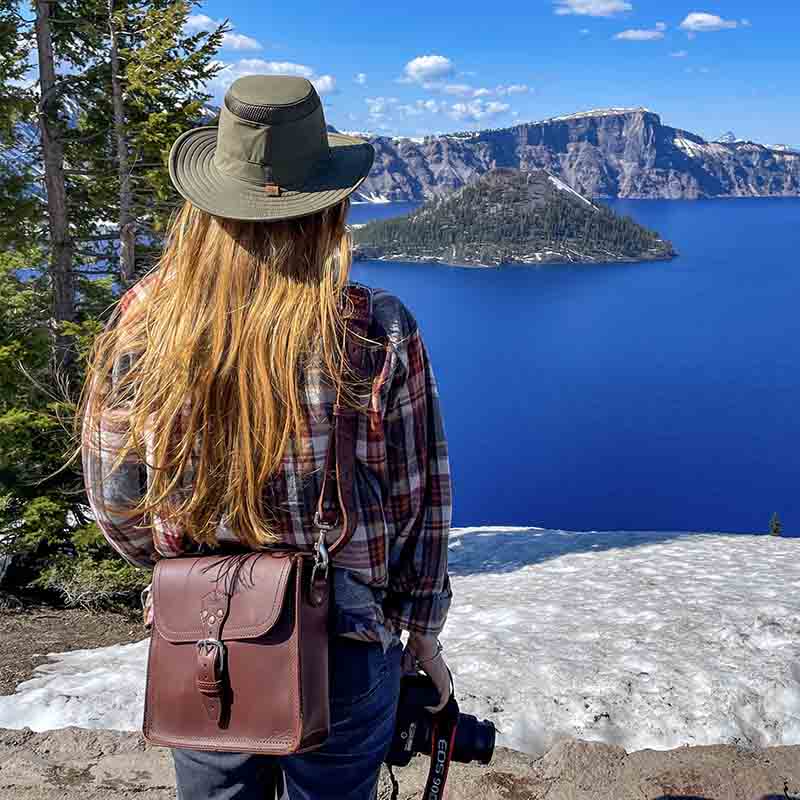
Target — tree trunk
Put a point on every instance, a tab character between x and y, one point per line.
127	225
60	261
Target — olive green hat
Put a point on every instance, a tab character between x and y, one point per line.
271	157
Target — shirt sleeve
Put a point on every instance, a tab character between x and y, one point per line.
419	500
112	495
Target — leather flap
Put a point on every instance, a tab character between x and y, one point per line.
181	586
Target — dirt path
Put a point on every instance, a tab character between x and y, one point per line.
30	633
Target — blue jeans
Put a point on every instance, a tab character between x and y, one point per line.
364	690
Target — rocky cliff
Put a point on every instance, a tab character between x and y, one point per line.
606	153
79	764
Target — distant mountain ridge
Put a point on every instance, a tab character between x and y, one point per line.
614	152
510	216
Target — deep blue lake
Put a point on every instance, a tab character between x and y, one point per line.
654	396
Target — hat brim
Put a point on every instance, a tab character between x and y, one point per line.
192	170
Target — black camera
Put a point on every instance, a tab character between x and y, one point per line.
413	732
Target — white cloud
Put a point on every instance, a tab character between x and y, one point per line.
379	107
514	88
230	40
258	66
661	26
432	71
640	35
421	107
361	78
427	68
584	31
680	54
701	22
592	8
466	90
745	23
461	89
376	106
477	110
200	22
408	110
324	84
238	41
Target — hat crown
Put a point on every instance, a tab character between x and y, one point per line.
272	131
271	99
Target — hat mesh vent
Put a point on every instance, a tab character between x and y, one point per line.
257	112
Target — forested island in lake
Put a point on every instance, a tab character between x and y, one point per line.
510	216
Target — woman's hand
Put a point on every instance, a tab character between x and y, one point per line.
425	653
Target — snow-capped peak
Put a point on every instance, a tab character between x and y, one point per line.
599	112
784	148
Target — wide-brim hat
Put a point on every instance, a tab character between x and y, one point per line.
271	156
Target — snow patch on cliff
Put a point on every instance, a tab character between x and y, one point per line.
559	184
370	197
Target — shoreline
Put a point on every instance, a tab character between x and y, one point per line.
605	197
435	262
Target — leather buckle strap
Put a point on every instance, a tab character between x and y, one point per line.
219	651
210	675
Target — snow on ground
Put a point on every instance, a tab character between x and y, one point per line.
95	688
651	639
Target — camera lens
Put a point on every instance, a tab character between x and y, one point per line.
474	740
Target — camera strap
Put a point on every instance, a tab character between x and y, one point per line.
443	737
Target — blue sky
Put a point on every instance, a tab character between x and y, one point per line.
418	68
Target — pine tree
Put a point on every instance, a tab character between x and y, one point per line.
21	210
116	82
775	526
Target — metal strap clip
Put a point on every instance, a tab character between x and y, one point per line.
321	556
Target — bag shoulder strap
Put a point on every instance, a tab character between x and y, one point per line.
336	506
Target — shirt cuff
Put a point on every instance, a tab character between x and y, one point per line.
425	615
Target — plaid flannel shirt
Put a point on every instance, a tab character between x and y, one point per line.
392	575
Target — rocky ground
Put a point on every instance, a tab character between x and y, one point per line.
78	764
29	632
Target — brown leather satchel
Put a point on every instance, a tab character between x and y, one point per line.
238	657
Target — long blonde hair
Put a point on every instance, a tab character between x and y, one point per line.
236	312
